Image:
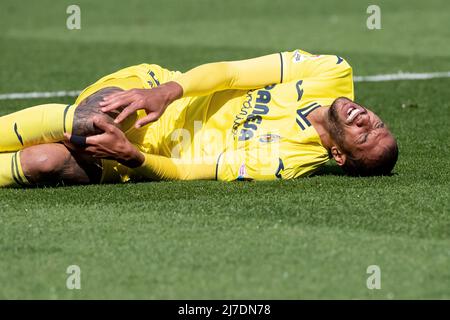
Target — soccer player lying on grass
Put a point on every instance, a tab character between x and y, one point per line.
277	116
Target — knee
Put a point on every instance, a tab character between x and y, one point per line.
44	163
90	107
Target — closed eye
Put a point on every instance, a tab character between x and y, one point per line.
363	139
379	125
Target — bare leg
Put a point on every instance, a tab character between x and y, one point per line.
53	164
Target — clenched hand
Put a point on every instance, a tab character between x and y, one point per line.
153	101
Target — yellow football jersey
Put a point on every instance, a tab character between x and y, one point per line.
257	134
273	137
143	76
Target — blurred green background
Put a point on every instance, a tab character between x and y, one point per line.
309	238
182	34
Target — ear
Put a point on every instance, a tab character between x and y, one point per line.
338	156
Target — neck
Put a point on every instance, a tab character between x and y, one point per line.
319	120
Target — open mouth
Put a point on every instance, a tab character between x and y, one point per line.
352	113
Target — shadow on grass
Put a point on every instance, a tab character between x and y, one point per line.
329	169
335	170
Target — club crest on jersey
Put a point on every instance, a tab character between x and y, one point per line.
268	138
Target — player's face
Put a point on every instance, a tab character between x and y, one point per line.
357	130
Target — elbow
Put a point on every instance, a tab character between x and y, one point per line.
228	72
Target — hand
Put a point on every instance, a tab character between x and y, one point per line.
153	101
111	144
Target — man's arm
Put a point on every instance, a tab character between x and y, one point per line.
155	167
202	80
243	74
113	144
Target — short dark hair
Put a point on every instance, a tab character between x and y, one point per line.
381	167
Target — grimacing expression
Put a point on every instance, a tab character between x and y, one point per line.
358	131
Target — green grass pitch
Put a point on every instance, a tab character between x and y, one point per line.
304	239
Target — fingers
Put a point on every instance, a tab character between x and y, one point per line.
116	100
78	141
96	146
95	152
147	119
102	124
67	142
75	141
72	143
113	96
92	140
67	136
132	108
82	142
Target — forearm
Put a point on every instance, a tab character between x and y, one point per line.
155	167
243	74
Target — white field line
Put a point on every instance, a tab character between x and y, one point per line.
374	78
35	95
402	76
